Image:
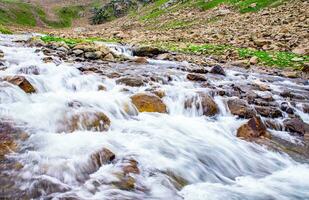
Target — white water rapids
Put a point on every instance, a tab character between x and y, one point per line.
203	151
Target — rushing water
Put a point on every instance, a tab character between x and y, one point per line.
203	152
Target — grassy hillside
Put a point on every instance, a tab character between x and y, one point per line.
18	12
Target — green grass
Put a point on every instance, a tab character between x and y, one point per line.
5	30
74	41
267	58
16	12
243	6
65	14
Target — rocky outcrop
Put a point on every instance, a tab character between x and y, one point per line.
203	101
146	102
21	82
254	128
240	108
296	125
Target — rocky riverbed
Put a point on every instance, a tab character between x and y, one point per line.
94	121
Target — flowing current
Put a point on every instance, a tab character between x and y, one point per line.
181	154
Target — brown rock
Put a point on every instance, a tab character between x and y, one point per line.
131	167
131	81
102	157
140	60
254	60
296	125
268	111
21	82
88	120
7	145
305	108
145	102
254	128
209	106
217	70
241	108
196	77
147	51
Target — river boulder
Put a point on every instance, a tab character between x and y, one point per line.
131	81
204	101
241	108
102	157
217	69
254	128
146	102
21	82
147	51
296	125
86	120
268	111
196	77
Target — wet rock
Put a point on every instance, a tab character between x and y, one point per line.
87	120
77	52
7	144
145	102
296	125
147	51
217	70
21	82
47	59
290	74
240	108
1	54
273	124
140	60
93	55
268	111
261	86
131	167
204	101
267	96
29	70
286	108
254	128
125	182
305	108
109	57
102	157
131	81
196	77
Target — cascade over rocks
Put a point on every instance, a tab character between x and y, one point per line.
203	101
85	120
241	108
146	102
21	82
296	125
254	128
